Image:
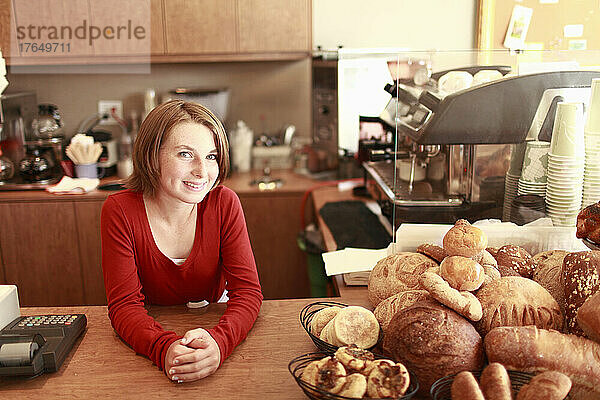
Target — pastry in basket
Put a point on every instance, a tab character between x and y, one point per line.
517	301
581	280
465	387
588	223
355	386
321	318
462	273
550	385
355	359
327	374
515	258
390	306
352	325
465	240
432	250
387	379
495	382
397	273
464	303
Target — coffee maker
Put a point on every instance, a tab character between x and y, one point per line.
450	151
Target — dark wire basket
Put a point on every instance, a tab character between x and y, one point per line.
306	316
440	390
297	365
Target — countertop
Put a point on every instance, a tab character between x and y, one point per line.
238	182
103	366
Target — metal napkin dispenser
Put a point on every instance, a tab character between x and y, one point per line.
496	112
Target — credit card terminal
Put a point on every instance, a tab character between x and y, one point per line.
32	345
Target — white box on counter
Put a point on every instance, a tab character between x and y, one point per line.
9	304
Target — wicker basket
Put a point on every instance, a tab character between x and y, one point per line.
297	365
440	390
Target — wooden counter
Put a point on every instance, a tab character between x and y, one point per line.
104	367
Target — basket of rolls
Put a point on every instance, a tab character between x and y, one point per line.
495	382
352	373
331	325
455	308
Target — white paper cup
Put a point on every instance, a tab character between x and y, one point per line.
567	134
592	123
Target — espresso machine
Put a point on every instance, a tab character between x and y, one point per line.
450	151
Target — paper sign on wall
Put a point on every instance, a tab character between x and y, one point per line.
517	27
573	30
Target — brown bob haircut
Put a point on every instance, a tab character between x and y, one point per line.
157	127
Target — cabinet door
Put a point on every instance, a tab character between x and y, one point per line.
274	25
6	27
87	215
40	252
273	222
200	26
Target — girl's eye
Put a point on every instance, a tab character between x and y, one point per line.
185	154
211	157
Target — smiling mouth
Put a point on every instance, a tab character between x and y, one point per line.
194	186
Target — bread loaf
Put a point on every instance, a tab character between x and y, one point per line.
432	250
464	303
465	387
550	385
516	258
433	341
355	325
517	301
465	240
485	258
390	306
548	273
495	383
397	273
580	280
462	273
529	349
588	317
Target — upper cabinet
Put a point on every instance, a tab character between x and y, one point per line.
166	30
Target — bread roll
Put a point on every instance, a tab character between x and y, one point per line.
517	301
462	273
580	280
548	273
507	271
355	359
495	383
588	317
387	379
465	387
529	349
390	306
321	318
327	374
491	274
465	240
492	250
550	385
486	258
432	250
433	341
517	259
355	325
397	273
355	387
464	303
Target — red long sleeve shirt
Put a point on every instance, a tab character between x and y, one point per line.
136	272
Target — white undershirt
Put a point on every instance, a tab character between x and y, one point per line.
224	298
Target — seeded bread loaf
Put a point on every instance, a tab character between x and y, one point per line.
581	280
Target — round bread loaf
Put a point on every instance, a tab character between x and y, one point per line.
355	325
492	250
465	240
588	317
580	280
517	301
432	250
433	341
397	273
485	258
321	318
385	311
462	273
548	273
516	258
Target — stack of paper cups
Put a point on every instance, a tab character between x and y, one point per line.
511	182
591	177
533	173
566	165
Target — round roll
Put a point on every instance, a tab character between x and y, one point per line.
465	387
517	259
462	273
465	240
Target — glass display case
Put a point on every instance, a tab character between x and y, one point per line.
444	135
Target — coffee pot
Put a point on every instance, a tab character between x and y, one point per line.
48	123
37	166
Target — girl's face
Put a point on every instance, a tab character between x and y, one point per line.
188	163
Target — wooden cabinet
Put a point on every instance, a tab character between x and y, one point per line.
40	252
